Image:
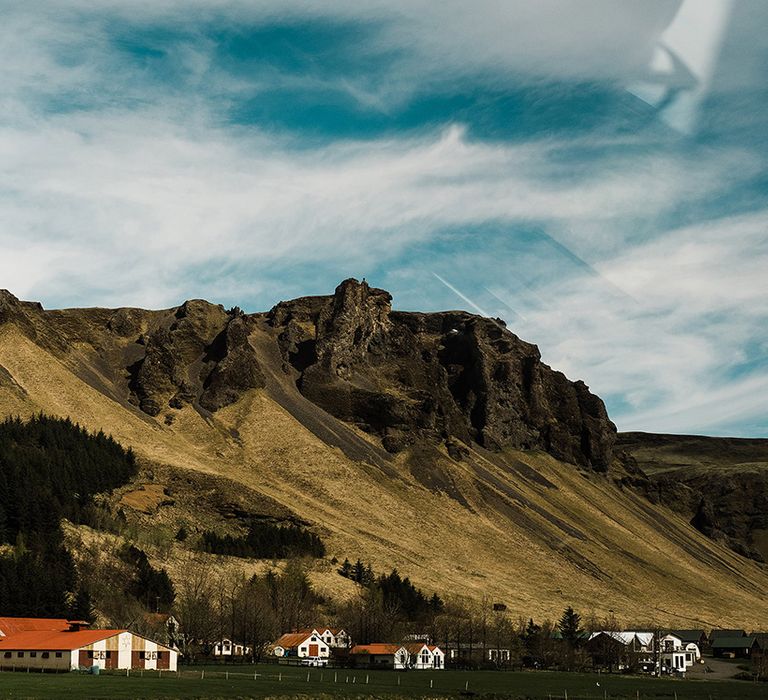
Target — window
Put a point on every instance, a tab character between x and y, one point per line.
7	654
58	654
20	654
46	654
33	654
90	654
141	654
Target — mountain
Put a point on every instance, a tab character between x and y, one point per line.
720	484
436	443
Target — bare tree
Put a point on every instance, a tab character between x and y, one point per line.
255	622
195	607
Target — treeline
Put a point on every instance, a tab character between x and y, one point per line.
254	611
41	581
487	636
151	587
50	468
265	540
398	594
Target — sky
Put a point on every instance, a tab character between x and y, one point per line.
593	173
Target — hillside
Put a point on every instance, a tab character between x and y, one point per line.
721	484
439	444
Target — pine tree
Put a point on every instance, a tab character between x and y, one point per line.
570	627
82	606
346	569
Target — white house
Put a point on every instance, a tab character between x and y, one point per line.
334	637
398	656
226	647
425	656
671	644
73	648
307	646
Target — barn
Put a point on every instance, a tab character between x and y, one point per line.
24	645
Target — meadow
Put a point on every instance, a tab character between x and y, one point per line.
283	682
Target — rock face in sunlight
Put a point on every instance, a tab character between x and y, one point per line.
410	377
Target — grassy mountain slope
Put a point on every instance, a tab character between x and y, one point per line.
515	525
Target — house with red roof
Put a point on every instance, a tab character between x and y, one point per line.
66	645
305	647
418	656
394	656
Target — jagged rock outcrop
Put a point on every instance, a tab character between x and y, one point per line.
200	356
235	366
410	377
16	311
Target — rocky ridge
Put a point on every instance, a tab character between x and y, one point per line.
406	378
411	377
719	484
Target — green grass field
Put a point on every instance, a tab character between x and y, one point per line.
274	681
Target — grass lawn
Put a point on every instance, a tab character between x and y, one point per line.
274	681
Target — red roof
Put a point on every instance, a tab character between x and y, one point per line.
292	639
375	649
51	640
12	625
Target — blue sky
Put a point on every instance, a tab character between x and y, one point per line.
593	173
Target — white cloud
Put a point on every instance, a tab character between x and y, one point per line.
674	350
139	189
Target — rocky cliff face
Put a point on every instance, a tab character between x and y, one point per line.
413	377
719	484
408	378
195	354
200	355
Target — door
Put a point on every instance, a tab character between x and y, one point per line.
111	660
163	659
314	650
84	659
136	659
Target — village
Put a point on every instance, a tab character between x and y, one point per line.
61	645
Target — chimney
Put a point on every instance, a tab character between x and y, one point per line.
77	625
